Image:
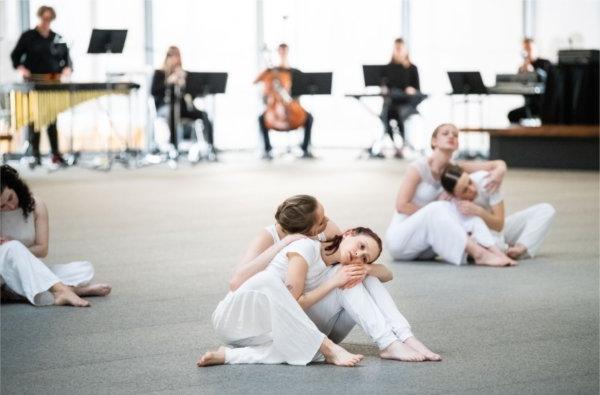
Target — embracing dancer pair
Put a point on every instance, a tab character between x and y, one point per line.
430	223
293	298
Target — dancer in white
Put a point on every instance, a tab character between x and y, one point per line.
24	236
521	234
423	228
264	319
299	216
303	213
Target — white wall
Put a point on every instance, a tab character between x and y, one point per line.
333	35
557	21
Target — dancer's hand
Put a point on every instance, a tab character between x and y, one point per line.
287	240
494	179
350	275
467	207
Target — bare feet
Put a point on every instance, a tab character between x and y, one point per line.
516	251
336	355
496	251
416	345
93	290
487	258
401	352
212	358
64	296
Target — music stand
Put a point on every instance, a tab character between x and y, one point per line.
202	84
111	41
107	41
374	75
467	83
311	83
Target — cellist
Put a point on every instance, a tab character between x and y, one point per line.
283	113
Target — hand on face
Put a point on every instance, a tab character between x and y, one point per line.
494	180
9	200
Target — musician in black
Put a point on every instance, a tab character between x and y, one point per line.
542	67
402	78
283	73
167	84
42	55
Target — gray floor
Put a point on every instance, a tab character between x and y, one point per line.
166	240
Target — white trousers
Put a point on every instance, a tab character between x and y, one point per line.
264	324
528	227
29	277
475	227
432	230
367	304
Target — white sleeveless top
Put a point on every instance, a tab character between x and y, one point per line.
15	227
429	188
310	250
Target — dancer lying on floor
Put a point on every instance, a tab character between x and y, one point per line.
423	228
305	214
24	235
520	234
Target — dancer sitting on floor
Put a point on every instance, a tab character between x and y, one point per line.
24	236
335	315
520	234
423	228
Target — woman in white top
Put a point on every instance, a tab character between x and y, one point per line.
24	238
423	228
263	320
336	314
520	234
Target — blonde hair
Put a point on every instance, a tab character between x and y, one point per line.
437	130
166	67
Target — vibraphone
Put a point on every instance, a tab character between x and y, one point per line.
40	103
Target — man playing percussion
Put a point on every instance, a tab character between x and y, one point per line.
41	55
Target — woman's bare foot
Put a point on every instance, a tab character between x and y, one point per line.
212	358
64	296
488	258
496	251
516	251
416	345
401	352
93	290
336	355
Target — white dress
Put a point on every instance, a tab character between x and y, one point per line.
25	274
528	227
433	230
261	320
368	304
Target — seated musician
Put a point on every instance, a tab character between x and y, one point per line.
403	78
163	89
531	63
275	115
42	55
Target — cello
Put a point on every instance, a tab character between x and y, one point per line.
283	113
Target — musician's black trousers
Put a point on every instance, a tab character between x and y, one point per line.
398	112
34	139
194	114
307	133
517	114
